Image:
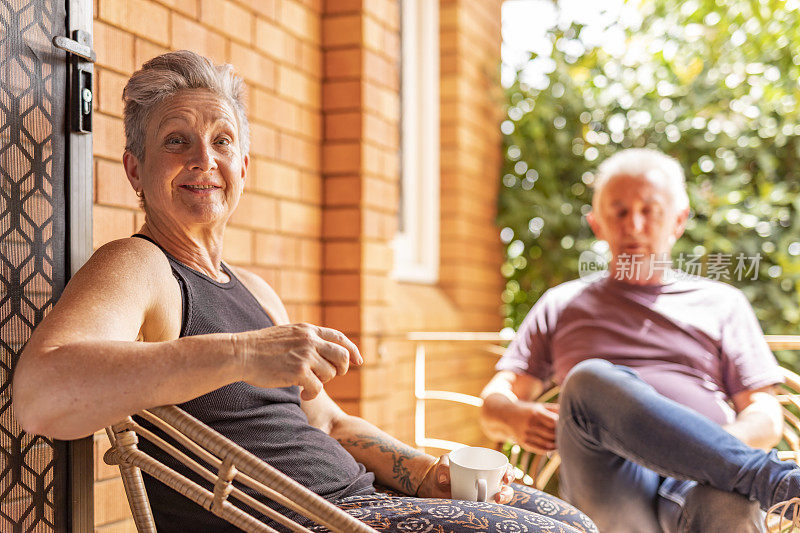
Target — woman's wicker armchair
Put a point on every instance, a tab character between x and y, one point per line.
226	463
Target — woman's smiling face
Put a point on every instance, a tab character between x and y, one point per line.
193	170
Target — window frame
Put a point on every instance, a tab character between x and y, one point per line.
416	245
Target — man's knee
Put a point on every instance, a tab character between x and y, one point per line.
589	377
710	509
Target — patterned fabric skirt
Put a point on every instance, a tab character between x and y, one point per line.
531	511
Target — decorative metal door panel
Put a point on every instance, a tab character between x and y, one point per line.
33	478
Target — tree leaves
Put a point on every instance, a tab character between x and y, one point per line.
715	85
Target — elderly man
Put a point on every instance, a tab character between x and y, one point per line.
666	403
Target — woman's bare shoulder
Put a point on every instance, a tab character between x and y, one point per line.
126	283
264	293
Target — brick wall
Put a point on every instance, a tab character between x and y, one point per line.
466	298
320	207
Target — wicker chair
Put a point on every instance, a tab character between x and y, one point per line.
540	470
227	463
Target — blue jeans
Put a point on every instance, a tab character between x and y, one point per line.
636	461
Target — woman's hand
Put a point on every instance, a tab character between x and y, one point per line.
436	483
294	354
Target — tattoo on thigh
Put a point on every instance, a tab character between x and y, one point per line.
400	454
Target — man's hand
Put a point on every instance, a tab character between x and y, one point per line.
295	354
535	426
436	483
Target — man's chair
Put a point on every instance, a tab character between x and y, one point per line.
220	462
540	470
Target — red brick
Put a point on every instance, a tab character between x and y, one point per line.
310	59
187	7
378	257
275	250
113	188
375	288
188	34
253	67
299	20
374	35
145	50
344	30
343	6
271	109
314	5
110	503
122	526
256	211
237	245
343	191
381	194
277	179
114	48
109	91
140	17
343	126
298	151
343	64
341	158
379	225
294	85
341	95
228	18
263	140
309	123
101	469
341	255
310	253
110	223
299	219
300	286
345	318
381	131
272	40
109	137
341	223
311	188
341	288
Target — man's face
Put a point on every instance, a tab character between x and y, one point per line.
636	215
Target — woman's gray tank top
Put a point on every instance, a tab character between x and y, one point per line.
267	422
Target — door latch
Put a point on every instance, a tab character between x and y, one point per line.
81	57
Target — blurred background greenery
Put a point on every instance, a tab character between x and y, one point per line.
712	83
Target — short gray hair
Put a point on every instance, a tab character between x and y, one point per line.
165	75
639	162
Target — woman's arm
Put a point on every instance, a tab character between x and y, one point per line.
82	369
84	353
394	463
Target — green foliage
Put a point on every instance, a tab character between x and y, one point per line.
712	83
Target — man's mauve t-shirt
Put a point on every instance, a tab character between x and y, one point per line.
694	340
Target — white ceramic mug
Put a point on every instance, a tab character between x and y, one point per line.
476	473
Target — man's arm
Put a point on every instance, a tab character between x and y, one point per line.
507	413
759	422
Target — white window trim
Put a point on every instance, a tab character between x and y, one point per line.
416	248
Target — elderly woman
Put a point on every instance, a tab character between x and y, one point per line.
159	319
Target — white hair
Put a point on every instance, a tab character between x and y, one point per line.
163	76
641	162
